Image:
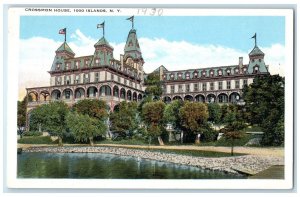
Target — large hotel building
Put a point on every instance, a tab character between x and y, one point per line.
100	76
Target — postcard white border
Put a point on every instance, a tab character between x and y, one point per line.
12	182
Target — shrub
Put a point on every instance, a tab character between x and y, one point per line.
36	140
32	133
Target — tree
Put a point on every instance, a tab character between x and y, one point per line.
214	111
93	108
152	114
84	127
21	118
264	106
232	130
153	85
171	114
52	117
194	118
124	120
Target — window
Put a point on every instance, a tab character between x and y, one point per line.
211	85
77	79
112	77
220	72
58	81
68	66
76	64
195	87
187	76
236	71
67	80
86	78
211	73
237	84
220	85
187	87
204	87
57	67
172	76
96	77
130	83
97	61
245	82
255	69
119	79
203	73
172	89
179	75
125	81
179	88
195	74
164	77
228	72
228	85
68	93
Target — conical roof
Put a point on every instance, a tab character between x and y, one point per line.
65	47
256	51
132	44
103	41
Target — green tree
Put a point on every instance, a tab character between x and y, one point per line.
124	120
52	117
264	106
152	115
93	108
153	84
171	114
84	127
194	118
215	113
232	130
21	116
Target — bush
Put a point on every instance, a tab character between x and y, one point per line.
37	140
32	133
237	142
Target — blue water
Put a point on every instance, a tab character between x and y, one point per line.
107	166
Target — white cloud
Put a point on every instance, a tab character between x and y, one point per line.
36	56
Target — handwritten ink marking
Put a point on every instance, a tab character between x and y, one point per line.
150	12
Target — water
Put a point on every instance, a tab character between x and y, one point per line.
106	166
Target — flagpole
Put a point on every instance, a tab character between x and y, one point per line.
65	34
103	31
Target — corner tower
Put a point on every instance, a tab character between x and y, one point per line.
132	52
63	53
256	60
103	53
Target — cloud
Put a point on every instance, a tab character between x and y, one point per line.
37	53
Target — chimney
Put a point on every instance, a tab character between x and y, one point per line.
121	60
240	62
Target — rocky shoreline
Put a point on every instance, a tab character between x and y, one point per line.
237	164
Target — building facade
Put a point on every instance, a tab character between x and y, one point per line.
100	76
222	84
97	76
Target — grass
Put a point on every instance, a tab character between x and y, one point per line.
125	142
37	140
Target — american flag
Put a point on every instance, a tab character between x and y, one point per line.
62	31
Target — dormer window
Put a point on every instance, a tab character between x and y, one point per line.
252	60
172	76
97	61
164	77
86	62
220	73
236	71
259	60
228	72
187	76
245	69
195	74
255	69
57	67
211	73
203	73
179	75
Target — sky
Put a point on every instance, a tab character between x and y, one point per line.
177	42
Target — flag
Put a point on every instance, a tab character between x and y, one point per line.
100	25
130	18
62	31
254	36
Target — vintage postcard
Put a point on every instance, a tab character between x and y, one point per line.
150	98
